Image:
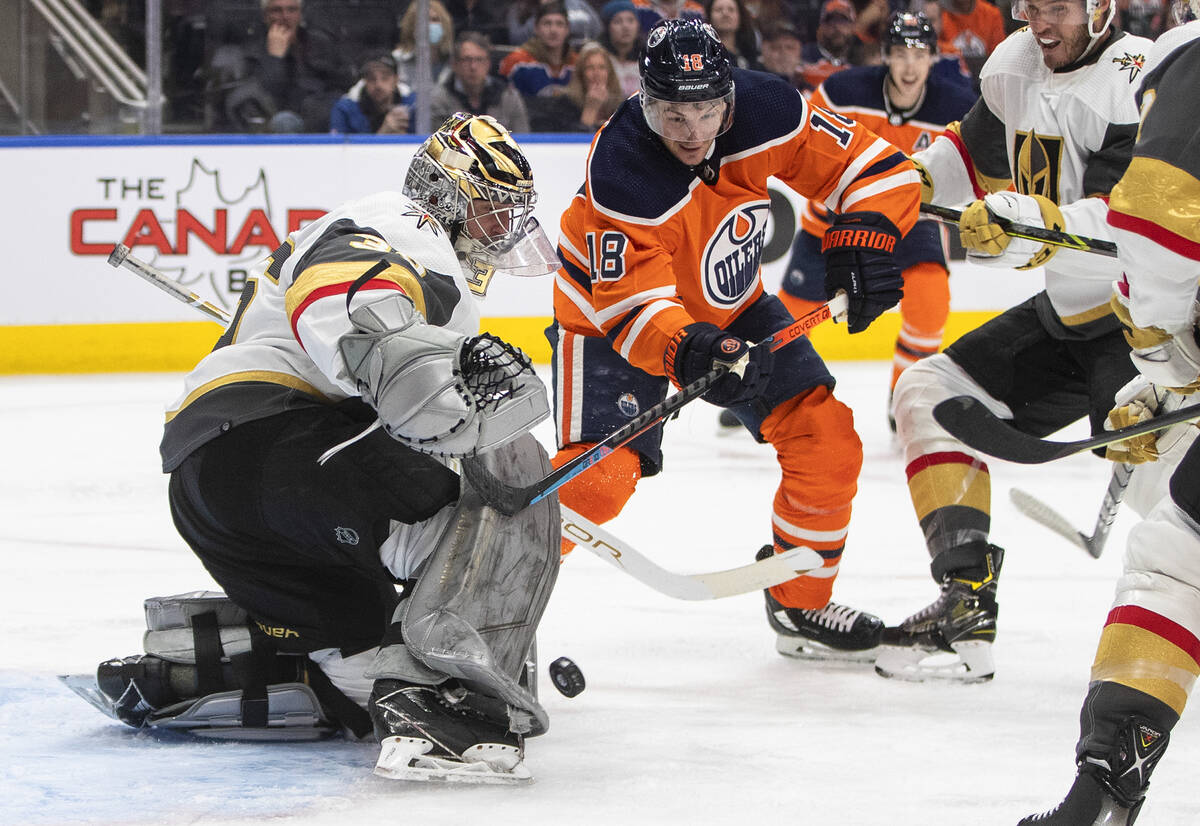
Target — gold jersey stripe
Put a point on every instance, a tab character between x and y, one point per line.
1162	194
1094	314
320	276
269	376
1143	660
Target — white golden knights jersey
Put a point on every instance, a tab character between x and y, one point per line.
1065	134
1155	209
281	350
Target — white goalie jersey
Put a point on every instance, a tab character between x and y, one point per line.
281	352
1067	135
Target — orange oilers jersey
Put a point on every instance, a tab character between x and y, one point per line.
858	93
648	247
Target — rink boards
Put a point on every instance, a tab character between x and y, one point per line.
204	209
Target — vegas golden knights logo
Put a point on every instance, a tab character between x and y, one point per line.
1039	164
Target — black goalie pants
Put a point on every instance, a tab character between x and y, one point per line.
296	543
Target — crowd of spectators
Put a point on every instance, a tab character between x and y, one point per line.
538	65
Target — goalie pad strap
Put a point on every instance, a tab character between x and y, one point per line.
206	639
340	708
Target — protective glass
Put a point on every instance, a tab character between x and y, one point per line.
688	122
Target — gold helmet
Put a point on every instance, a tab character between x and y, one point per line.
471	175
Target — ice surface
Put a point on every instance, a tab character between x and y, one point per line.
690	717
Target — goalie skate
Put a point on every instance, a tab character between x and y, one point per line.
409	758
437	734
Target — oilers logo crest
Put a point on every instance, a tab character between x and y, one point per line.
733	253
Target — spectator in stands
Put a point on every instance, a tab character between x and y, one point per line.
735	27
871	17
379	103
483	16
835	48
542	64
971	28
591	96
625	42
286	80
441	41
651	12
582	19
781	47
471	87
766	13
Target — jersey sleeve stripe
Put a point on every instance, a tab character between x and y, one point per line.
906	177
648	312
880	167
577	275
1184	247
571	292
336	289
565	246
619	309
870	154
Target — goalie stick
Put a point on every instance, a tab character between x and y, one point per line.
968	420
575	528
1039	511
715	585
1057	238
509	499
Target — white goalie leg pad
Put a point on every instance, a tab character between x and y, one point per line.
475	608
921	388
407	758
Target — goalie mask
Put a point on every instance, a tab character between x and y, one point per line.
473	178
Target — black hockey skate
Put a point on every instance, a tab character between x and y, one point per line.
443	733
835	632
950	639
1110	791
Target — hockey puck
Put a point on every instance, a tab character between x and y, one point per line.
567	677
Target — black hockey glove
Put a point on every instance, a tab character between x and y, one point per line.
858	251
700	346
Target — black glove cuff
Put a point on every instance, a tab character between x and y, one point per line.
861	231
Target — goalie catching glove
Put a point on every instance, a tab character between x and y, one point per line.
701	347
987	243
435	390
859	249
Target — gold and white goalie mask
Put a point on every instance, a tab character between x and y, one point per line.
473	178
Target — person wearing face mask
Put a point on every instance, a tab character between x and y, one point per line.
441	41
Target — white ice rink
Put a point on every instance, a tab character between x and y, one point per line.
690	717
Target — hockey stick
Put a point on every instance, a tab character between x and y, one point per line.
714	585
576	528
1039	511
121	257
968	420
509	500
1046	236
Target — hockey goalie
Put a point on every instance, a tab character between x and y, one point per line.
313	460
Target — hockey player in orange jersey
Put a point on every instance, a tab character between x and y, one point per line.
908	102
660	281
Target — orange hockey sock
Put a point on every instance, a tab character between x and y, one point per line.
601	491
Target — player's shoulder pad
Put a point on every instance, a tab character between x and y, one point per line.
766	108
1017	54
630	172
858	86
1169	47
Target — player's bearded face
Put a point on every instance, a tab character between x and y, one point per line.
1060	28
